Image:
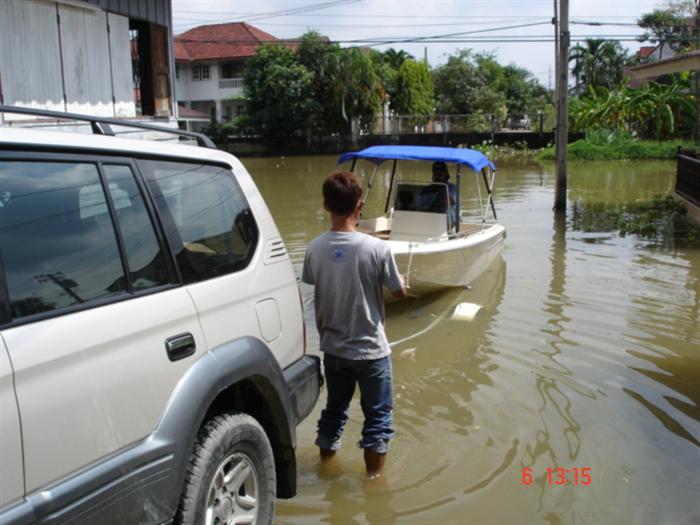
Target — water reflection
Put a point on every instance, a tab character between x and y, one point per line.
673	395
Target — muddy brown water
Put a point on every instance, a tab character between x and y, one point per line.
584	354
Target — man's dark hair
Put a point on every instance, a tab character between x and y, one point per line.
440	167
341	192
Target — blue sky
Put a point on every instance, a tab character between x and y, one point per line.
401	20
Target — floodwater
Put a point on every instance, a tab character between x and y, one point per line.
584	354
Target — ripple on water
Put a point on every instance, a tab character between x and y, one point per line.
584	354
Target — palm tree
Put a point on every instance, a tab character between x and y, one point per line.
577	55
597	63
395	58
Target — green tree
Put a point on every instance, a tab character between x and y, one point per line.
478	85
322	60
598	63
358	89
673	25
414	92
344	84
395	58
385	73
279	93
456	82
653	111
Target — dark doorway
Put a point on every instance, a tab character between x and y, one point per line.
151	68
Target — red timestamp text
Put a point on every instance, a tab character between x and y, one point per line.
560	476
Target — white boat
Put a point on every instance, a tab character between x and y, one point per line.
431	252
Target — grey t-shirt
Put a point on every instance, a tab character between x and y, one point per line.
348	270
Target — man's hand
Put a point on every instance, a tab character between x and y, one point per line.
399	294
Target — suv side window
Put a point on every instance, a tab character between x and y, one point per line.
146	261
206	216
57	246
58	243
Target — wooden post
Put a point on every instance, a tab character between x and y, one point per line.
562	132
697	75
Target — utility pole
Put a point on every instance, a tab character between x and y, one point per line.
697	74
562	131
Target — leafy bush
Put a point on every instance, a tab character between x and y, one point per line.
598	149
219	132
518	151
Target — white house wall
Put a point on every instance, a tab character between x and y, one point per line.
200	90
30	61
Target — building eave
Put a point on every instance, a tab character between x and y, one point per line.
687	62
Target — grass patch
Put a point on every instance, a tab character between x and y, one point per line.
584	149
516	152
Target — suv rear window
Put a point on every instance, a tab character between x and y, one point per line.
206	217
58	243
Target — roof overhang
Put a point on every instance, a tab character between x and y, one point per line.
677	64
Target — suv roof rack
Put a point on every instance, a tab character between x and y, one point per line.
102	125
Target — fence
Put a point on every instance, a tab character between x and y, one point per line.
688	178
473	123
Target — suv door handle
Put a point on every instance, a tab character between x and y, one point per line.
180	346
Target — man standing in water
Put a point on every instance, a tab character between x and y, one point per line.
348	270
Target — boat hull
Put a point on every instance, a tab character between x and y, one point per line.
432	266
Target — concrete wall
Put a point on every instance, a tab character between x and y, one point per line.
336	145
196	90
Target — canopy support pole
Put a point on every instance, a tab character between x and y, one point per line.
352	166
391	187
369	187
489	188
459	211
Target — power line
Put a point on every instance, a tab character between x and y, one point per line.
505	39
375	26
287	12
444	24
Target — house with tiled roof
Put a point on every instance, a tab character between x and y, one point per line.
647	55
209	63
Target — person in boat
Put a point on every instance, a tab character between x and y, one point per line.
432	198
348	269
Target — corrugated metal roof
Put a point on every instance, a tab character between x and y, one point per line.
156	11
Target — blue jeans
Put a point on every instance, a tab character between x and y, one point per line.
374	379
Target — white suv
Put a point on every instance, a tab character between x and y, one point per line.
152	346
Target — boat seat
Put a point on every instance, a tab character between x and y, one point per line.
417	226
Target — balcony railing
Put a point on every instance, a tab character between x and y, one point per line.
230	83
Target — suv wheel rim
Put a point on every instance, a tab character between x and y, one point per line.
233	494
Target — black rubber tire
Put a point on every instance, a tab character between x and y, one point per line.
220	437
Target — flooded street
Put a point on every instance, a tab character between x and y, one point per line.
584	354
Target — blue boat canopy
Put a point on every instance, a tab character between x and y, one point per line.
378	154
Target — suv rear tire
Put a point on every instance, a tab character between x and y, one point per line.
231	475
